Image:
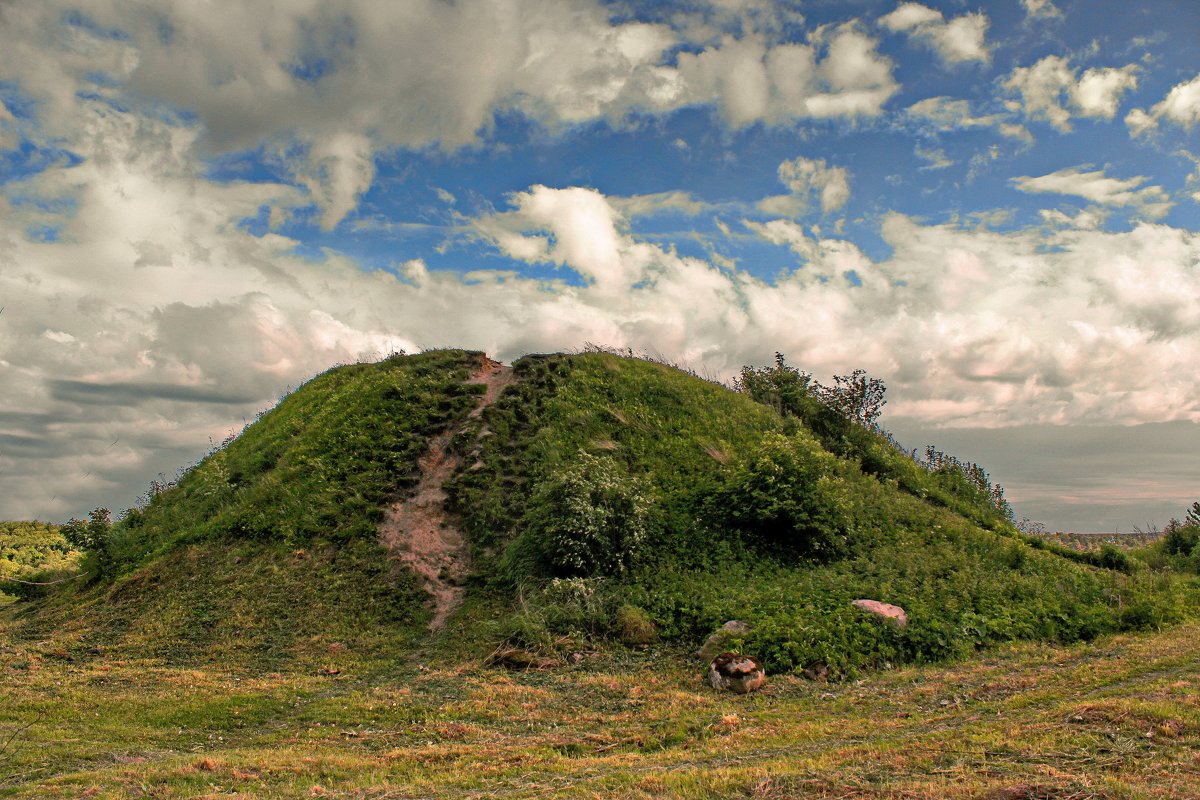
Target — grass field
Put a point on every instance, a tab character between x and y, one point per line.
1116	718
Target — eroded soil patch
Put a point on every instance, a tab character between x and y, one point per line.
418	530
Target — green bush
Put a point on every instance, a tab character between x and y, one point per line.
792	498
588	518
1181	540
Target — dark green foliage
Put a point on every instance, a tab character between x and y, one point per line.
843	420
1179	548
93	538
32	553
856	397
792	498
1181	540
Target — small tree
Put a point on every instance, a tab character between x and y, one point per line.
857	397
92	537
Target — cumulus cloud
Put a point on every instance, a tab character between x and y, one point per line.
1052	89
1040	9
647	205
110	342
1181	106
1151	202
956	41
806	178
329	85
750	81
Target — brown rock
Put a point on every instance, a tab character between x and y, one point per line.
721	638
736	673
885	611
817	671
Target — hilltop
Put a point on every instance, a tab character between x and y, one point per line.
570	500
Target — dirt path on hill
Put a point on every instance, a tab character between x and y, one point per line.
419	532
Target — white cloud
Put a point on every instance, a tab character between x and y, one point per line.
750	81
1040	9
1090	219
1151	202
1181	106
806	177
934	157
957	41
1051	89
910	15
943	114
8	134
968	326
645	205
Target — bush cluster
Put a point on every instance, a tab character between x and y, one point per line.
589	518
792	498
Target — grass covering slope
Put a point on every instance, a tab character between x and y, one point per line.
601	497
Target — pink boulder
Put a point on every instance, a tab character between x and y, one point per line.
885	611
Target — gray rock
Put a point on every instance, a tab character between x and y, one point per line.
735	673
720	640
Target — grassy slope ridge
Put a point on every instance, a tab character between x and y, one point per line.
265	553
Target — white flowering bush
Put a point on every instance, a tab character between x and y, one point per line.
589	518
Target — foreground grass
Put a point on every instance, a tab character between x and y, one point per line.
1119	718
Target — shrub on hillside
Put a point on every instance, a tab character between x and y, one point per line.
1181	540
587	519
792	498
93	538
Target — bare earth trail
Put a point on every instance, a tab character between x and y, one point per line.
418	531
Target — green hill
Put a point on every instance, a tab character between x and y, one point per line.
598	498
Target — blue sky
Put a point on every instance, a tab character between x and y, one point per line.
994	206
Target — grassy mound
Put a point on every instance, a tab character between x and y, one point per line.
601	497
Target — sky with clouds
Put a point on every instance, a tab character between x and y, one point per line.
993	206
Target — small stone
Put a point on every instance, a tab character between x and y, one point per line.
885	611
736	673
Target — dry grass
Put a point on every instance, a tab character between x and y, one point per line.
1116	719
